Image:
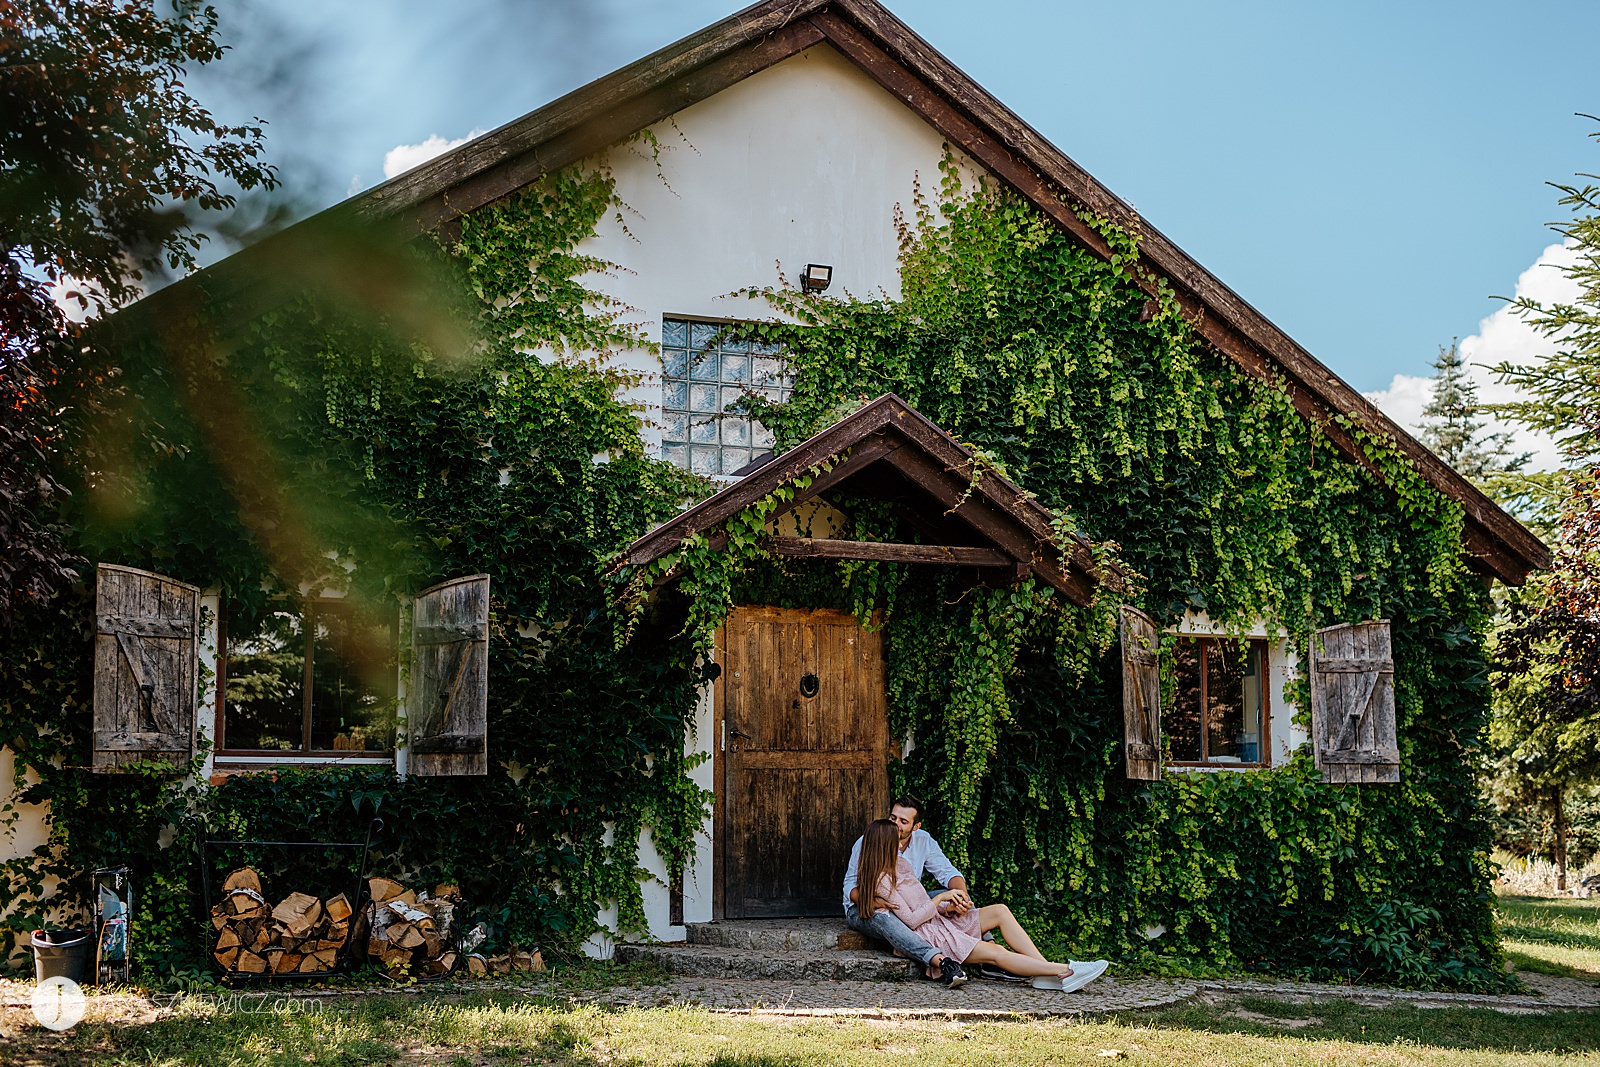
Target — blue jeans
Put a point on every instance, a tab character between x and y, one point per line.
886	926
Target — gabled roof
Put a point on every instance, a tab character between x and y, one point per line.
889	451
436	194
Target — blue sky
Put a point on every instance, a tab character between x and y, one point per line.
1369	175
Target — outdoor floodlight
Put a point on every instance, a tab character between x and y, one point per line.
815	278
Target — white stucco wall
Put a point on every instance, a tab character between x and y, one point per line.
802	163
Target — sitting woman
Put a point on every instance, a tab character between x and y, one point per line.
958	936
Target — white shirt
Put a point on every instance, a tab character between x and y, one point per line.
922	852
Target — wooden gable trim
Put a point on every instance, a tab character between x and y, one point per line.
890	431
887	50
587	120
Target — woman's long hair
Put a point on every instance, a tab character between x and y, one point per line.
880	851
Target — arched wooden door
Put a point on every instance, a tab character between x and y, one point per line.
804	759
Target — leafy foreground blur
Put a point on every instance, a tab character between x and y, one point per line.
505	1028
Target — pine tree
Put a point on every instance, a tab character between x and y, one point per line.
1452	429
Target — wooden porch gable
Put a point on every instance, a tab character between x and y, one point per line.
887	450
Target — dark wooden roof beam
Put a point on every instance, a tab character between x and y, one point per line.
890	552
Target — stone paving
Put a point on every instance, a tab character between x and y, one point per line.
997	1000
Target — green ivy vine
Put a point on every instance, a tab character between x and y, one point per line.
399	451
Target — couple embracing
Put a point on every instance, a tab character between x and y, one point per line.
884	897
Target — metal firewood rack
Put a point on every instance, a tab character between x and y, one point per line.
351	956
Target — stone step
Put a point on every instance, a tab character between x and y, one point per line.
770	935
718	961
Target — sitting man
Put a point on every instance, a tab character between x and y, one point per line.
926	857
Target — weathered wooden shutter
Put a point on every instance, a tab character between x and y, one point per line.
1141	694
146	662
447	721
1352	703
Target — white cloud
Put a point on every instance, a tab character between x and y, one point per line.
402	158
1501	336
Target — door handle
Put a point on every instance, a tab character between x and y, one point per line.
736	732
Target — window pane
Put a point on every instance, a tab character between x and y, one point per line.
1233	702
352	682
704	398
703	431
735	431
702	334
674	364
703	459
1181	721
264	701
703	367
674	333
736	369
675	395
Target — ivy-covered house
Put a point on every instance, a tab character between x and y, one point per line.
623	504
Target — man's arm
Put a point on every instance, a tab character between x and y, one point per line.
850	894
939	865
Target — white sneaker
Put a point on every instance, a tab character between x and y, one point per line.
1082	974
1047	981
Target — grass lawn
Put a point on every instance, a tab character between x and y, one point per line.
508	1028
1554	936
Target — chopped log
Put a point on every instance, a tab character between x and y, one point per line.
323	960
500	964
476	964
338	909
219	916
338	933
242	901
432	946
263	938
297	912
447	892
227	957
286	962
536	962
448	962
411	938
252	963
409	897
229	938
384	890
527	961
243	878
395	958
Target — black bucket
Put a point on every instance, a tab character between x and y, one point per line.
63	954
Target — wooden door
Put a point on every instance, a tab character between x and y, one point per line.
805	762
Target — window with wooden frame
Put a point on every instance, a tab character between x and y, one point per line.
307	678
1216	712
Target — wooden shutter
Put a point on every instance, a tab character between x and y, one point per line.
447	722
146	665
1141	695
1352	703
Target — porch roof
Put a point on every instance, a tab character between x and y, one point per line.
888	450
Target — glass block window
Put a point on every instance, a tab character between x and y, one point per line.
706	368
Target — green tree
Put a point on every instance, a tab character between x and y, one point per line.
105	163
1567	384
1454	428
1545	740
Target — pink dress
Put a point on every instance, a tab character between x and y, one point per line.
954	935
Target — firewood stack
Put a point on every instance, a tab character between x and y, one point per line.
301	935
411	929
